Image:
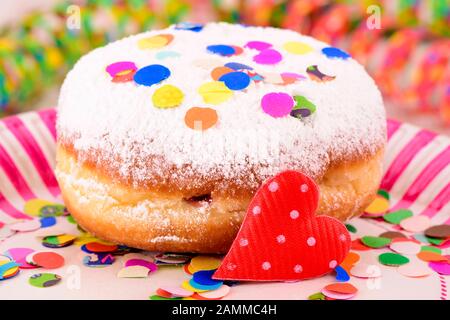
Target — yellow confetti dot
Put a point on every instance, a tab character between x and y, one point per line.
87	238
215	92
378	206
204	263
167	96
155	42
187	286
295	47
34	206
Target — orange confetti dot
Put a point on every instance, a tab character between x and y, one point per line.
344	288
220	71
429	256
350	260
200	119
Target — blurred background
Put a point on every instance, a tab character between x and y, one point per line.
404	44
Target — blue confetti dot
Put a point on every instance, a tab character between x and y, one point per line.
332	52
195	27
204	277
237	66
221	49
151	75
341	274
47	222
235	80
196	285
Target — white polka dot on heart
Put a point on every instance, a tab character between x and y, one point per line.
281	238
304	187
256	210
273	186
266	265
332	264
298	268
231	266
243	242
311	241
342	237
294	214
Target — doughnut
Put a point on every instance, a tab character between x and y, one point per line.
164	137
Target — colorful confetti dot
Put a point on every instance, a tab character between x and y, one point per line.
316	75
417	223
375	242
235	80
44	280
162	55
155	42
151	75
277	104
268	56
440	231
392	259
303	107
205	263
218	72
48	260
237	66
215	92
396	217
195	27
168	96
200	119
47	222
221	49
133	272
117	68
414	270
378	206
332	52
296	47
258	45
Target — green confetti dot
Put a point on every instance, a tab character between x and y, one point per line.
44	280
375	242
397	216
392	259
431	249
384	194
436	242
351	228
317	296
71	219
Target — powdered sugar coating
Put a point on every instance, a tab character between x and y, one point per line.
246	145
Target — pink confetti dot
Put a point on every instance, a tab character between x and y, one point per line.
266	265
277	104
256	210
298	268
294	214
268	56
273	186
333	264
258	45
311	241
281	238
117	67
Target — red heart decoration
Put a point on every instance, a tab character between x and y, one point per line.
281	238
